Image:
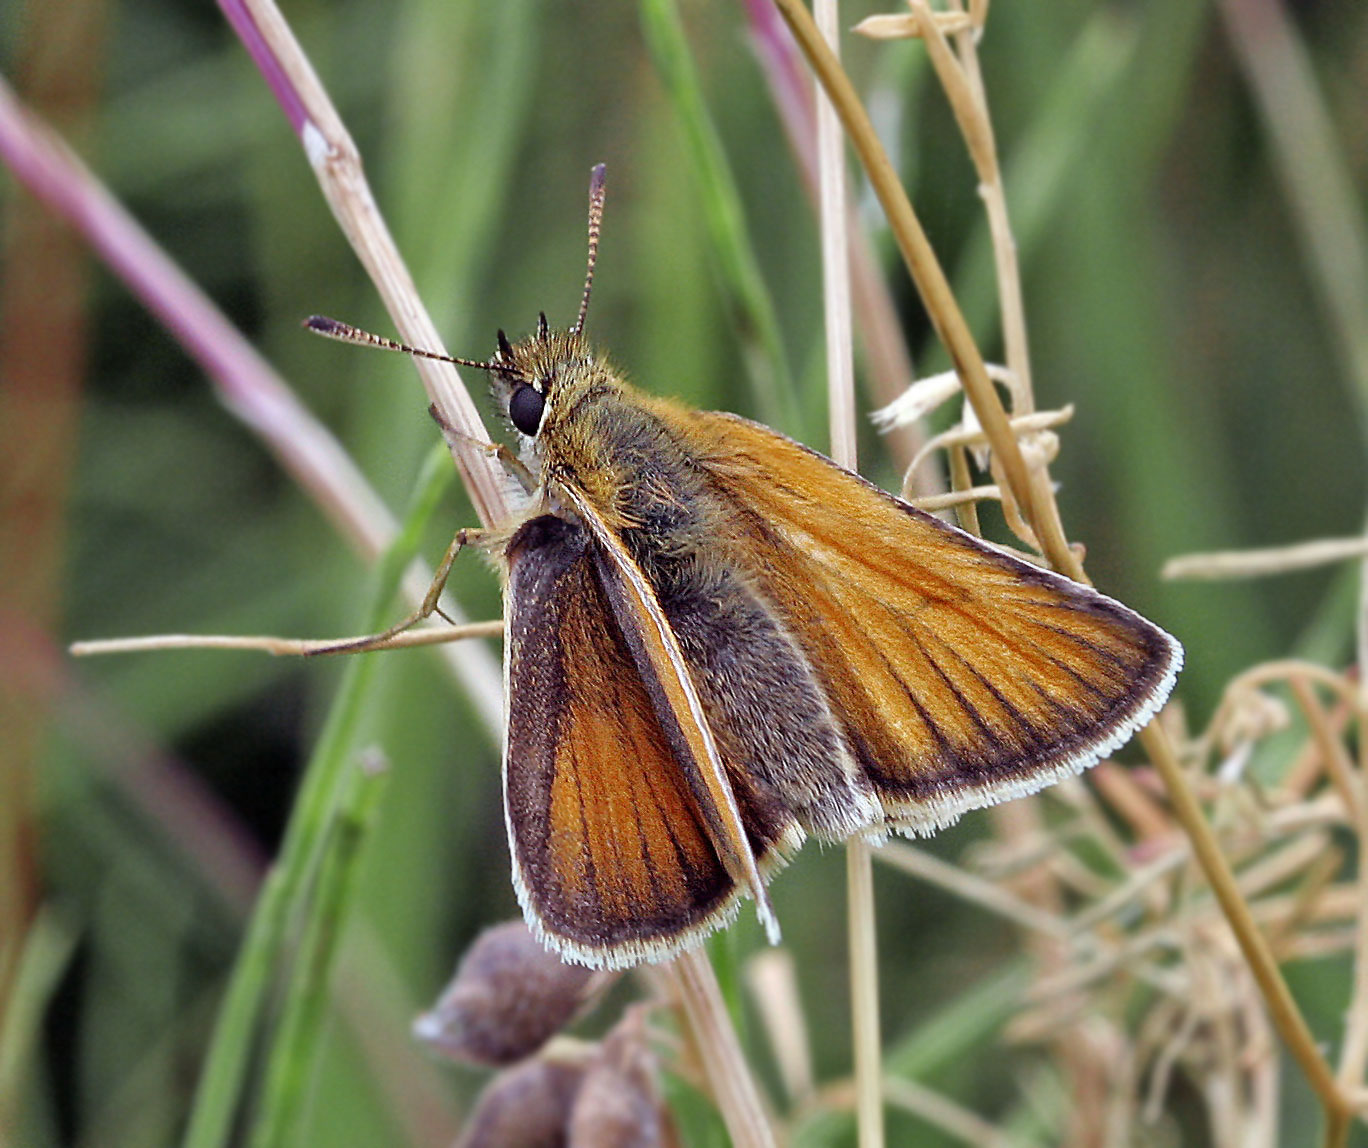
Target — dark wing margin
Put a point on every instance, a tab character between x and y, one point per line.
961	675
612	862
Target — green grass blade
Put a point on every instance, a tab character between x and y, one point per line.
287	884
751	307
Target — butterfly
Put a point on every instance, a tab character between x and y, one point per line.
719	643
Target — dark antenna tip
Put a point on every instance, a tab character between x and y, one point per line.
346	333
597	180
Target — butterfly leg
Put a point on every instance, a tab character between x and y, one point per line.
507	459
464	538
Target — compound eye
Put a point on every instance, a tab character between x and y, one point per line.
525	408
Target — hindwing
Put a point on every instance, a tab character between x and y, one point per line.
613	855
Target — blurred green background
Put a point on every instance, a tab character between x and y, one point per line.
1169	294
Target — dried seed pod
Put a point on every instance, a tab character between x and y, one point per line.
524	1107
617	1105
509	996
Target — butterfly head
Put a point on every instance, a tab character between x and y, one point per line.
534	377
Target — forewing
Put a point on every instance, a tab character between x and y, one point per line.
611	856
961	675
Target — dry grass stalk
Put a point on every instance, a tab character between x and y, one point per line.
894	26
862	931
283	647
337	164
1164	975
718	1051
1260	563
957	498
1028	428
1030	486
771	977
942	1113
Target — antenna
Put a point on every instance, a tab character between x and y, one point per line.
346	333
596	192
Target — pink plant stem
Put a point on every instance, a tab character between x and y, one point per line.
246	383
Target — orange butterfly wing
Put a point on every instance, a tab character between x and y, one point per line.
611	854
961	675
